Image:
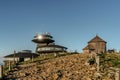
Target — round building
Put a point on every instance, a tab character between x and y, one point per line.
46	44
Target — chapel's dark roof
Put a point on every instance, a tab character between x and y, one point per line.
22	55
97	39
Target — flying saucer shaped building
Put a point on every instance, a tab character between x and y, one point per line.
45	44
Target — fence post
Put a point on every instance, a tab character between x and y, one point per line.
1	71
98	63
117	75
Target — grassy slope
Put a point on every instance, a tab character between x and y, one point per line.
66	67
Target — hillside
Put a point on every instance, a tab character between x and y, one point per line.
69	67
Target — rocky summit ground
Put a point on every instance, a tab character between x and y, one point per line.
69	67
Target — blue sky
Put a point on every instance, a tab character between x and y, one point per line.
71	22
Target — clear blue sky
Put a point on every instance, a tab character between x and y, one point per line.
71	22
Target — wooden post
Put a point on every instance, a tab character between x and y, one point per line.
14	57
55	55
1	71
117	75
97	61
32	57
9	65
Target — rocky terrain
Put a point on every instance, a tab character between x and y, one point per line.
69	67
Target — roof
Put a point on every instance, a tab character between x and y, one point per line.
47	35
53	46
90	47
22	55
51	51
97	39
43	40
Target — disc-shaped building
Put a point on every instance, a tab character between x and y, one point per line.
46	44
